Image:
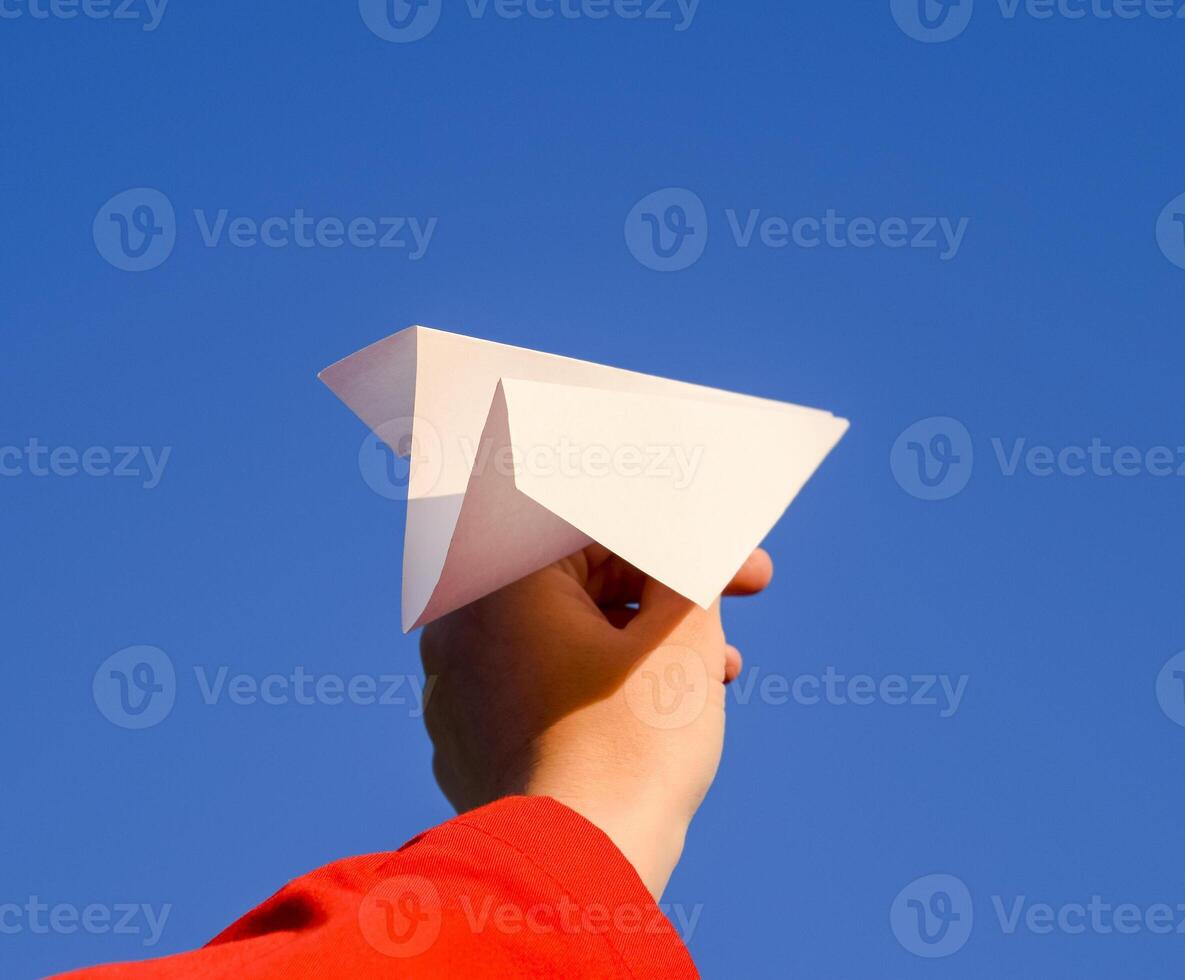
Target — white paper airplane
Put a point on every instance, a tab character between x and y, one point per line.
519	458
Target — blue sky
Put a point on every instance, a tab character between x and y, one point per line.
958	230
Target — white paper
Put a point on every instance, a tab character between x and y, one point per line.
518	458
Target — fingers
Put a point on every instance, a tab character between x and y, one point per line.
620	616
753	576
666	616
733	662
612	581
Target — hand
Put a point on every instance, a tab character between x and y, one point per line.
558	686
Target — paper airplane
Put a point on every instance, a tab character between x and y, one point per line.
519	458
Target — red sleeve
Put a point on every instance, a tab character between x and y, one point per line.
524	887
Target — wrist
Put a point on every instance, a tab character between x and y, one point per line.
648	834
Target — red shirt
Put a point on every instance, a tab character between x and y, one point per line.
524	887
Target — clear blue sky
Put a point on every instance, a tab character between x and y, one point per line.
1055	319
